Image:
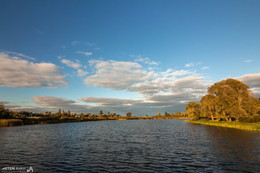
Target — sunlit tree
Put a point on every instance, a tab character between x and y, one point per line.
128	114
193	110
229	99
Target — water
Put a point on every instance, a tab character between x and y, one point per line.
130	146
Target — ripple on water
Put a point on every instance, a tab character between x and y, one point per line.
129	146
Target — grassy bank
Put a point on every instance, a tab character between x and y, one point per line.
237	125
10	122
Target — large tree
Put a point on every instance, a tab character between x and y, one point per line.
229	99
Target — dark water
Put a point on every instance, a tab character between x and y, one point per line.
130	146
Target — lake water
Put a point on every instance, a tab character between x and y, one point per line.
130	146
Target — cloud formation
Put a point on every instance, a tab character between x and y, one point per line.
17	72
191	64
115	74
52	103
81	72
74	65
145	60
132	76
253	80
70	63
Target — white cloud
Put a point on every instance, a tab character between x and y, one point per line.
205	68
85	53
81	72
178	73
192	64
248	60
17	72
51	103
132	76
70	63
75	65
189	65
109	101
256	92
115	74
192	81
145	60
253	80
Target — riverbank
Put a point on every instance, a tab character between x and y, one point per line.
236	125
55	120
42	120
10	122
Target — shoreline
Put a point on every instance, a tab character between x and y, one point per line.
40	120
236	125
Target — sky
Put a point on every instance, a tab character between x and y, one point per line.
139	56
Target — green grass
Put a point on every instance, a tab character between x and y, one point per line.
237	125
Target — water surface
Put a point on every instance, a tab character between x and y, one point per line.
130	146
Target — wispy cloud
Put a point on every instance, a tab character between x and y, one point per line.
248	60
81	72
189	65
74	65
141	59
71	63
205	68
17	72
85	53
19	55
75	42
192	64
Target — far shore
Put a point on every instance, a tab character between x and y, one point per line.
44	120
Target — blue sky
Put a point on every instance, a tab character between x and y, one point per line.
140	56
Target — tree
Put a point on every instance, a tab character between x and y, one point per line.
208	108
128	114
166	114
4	113
228	99
193	110
59	112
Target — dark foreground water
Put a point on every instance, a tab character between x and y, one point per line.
130	146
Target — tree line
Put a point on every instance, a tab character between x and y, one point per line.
227	100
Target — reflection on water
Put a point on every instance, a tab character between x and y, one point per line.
236	150
129	146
